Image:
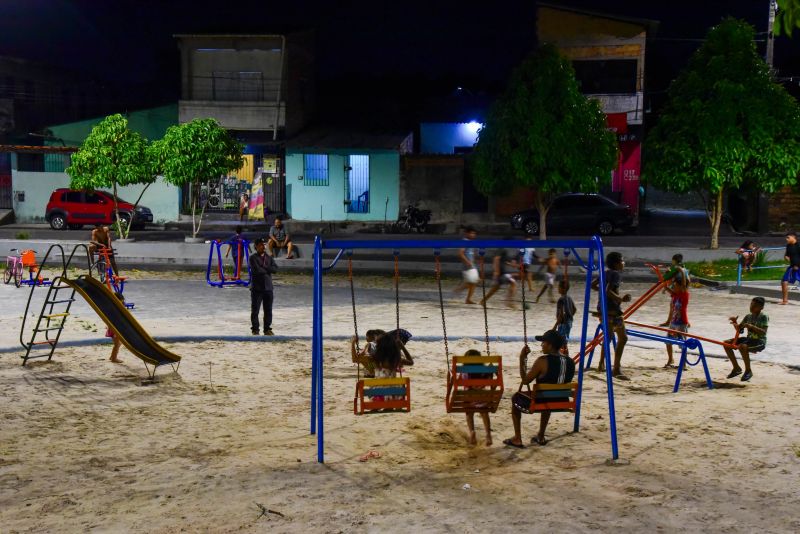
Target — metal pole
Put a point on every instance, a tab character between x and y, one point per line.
315	334
607	349
773	8
739	273
586	297
320	350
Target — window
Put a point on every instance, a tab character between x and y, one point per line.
92	198
612	76
72	196
315	170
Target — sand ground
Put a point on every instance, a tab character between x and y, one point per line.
223	446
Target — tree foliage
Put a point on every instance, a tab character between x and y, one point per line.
194	152
544	134
788	17
112	156
726	125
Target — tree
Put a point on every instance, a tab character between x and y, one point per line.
112	156
544	134
788	17
726	124
194	152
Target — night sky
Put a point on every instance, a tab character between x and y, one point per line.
437	44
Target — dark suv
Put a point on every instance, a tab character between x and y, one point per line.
577	212
73	209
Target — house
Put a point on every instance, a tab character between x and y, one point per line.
37	171
334	174
261	89
608	55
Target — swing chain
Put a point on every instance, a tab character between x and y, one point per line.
441	308
523	279
483	301
355	317
397	291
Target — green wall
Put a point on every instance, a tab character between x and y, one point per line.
162	198
151	123
326	203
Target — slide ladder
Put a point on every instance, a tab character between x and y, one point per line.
50	324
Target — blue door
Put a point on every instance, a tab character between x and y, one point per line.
356	194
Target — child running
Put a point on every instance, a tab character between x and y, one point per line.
473	440
552	264
528	259
679	302
756	322
613	275
565	312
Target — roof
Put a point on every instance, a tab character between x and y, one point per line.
650	24
326	137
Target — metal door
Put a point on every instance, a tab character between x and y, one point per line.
273	182
5	181
356	184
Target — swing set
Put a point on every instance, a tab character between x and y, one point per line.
240	249
474	383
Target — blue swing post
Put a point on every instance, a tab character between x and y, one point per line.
584	325
594	246
242	257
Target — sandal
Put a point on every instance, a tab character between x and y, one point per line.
509	443
536	441
370	454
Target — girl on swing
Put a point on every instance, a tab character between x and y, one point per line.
384	354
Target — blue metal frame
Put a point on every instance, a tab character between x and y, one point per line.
595	264
739	266
237	281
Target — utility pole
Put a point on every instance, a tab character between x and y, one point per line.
773	8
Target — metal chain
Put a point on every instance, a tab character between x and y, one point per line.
397	292
523	277
353	300
441	307
483	301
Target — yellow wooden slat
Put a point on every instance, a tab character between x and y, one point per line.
64	314
477	359
370	382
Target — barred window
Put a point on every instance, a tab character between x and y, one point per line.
315	169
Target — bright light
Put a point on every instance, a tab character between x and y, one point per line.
473	126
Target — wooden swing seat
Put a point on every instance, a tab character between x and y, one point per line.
375	394
554	397
474	384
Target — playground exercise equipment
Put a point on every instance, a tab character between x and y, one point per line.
15	269
103	270
594	263
382	394
766	250
56	309
474	383
240	252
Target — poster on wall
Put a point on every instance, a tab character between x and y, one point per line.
256	206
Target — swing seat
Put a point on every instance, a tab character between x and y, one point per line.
474	384
554	397
374	394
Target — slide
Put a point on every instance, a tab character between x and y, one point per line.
120	320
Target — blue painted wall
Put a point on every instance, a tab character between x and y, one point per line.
326	203
443	137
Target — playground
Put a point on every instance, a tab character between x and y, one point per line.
224	445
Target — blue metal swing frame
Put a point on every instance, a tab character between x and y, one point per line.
243	260
594	263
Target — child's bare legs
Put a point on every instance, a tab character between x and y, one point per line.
622	338
529	278
487	427
540	439
512	288
670	361
473	440
785	292
545	287
115	351
470	291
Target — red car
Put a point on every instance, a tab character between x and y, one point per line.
73	209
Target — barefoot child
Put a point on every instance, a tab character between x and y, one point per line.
114	337
565	311
528	259
552	263
469	272
473	440
747	254
679	302
792	274
615	265
364	356
756	322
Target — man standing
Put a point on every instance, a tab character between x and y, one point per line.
792	274
278	239
262	267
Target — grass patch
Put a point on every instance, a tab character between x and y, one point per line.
22	235
725	270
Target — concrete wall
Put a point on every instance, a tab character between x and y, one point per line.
443	137
162	198
234	115
433	183
326	203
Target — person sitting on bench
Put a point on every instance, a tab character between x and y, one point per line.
278	239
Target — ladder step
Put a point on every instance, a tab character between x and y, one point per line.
32	357
59	301
61	287
48	329
52	315
48	342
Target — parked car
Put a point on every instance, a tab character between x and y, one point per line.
577	212
72	209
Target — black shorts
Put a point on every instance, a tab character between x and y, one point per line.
753	345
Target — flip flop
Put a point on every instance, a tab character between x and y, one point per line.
370	454
509	443
622	377
536	441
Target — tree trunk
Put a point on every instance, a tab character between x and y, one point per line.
136	204
542	206
716	218
123	232
196	223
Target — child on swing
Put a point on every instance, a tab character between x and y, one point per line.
365	356
473	440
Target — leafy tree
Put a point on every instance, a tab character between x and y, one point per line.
788	17
726	124
544	134
194	152
112	156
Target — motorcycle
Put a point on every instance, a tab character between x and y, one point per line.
412	219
